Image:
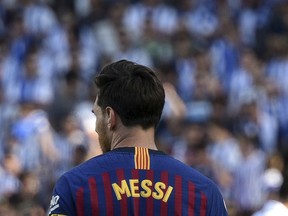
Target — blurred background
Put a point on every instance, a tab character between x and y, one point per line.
224	66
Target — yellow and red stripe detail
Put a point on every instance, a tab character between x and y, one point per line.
142	158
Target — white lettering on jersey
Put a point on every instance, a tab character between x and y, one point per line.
54	203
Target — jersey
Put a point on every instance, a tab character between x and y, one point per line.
135	181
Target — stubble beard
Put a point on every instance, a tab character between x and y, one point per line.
104	141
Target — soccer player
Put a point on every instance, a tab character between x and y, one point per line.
132	177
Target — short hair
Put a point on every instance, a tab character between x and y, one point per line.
133	91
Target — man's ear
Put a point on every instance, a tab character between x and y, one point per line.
111	117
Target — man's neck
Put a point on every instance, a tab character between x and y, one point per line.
133	137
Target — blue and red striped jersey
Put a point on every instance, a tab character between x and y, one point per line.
135	181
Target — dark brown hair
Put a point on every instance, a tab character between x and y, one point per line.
133	91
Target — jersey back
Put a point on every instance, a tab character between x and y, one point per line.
135	181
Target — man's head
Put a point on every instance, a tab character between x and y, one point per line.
131	92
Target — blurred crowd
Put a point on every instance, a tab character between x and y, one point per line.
224	66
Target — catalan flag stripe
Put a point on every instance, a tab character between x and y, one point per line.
135	158
142	158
